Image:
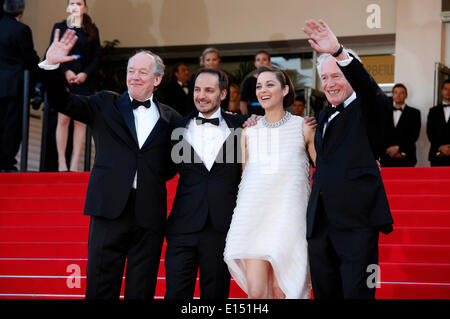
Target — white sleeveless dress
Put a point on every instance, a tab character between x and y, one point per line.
269	221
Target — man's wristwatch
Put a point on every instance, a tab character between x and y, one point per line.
339	51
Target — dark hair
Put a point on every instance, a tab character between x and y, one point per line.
14	7
175	69
235	86
263	52
444	83
284	80
88	26
300	99
400	85
223	79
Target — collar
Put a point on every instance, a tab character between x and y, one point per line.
349	100
400	107
150	98
216	114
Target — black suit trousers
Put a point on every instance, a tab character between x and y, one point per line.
112	242
342	261
10	131
200	252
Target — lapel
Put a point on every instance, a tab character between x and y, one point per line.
403	118
319	132
222	155
337	127
441	117
125	108
163	122
195	159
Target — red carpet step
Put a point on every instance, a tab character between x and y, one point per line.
43	235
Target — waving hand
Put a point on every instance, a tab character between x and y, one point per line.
58	52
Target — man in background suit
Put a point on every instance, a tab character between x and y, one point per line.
176	92
348	204
16	55
402	130
438	129
126	196
209	174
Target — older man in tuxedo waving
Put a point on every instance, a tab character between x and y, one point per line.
348	205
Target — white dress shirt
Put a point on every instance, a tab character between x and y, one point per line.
145	120
207	139
446	113
397	114
184	87
346	103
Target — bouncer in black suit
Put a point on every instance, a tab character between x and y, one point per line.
348	205
438	129
209	174
16	55
176	91
402	129
126	195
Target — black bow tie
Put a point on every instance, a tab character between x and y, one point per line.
135	104
445	105
397	109
202	120
331	110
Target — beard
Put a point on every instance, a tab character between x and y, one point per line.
209	109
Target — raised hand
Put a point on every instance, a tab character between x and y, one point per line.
322	39
58	52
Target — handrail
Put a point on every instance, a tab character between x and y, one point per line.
25	121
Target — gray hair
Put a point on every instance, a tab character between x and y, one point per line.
14	7
205	52
159	63
325	56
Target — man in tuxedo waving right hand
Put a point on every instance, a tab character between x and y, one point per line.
348	205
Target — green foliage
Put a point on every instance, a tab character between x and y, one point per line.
238	76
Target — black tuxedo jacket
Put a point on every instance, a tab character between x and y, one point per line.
347	176
404	135
439	134
16	55
201	192
177	98
118	156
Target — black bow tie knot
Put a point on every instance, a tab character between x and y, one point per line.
135	104
445	105
331	110
202	120
397	109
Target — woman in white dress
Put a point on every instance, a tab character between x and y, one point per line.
266	248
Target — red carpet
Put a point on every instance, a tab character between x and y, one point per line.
43	236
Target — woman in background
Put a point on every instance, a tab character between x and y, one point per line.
210	59
79	77
249	102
